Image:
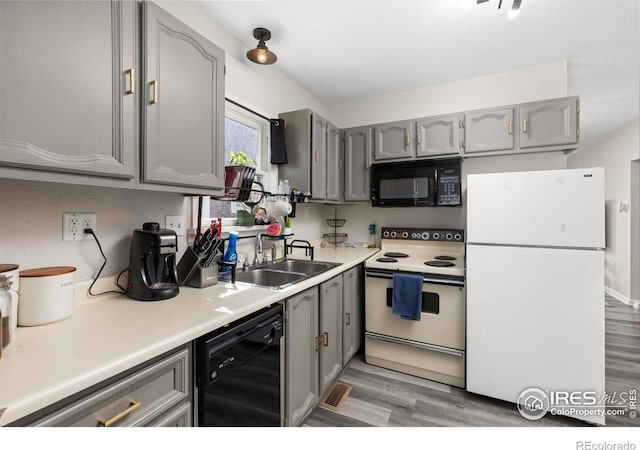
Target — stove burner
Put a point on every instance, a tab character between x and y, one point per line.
440	263
386	260
396	255
445	258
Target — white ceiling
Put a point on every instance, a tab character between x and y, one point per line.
350	49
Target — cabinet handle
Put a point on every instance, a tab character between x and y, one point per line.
348	318
339	164
319	341
132	86
316	156
524	125
325	340
418	138
154	97
408	138
133	404
510	127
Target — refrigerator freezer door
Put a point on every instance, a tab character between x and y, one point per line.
563	208
535	318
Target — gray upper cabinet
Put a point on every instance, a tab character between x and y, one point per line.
489	130
357	159
183	105
438	136
302	347
335	171
548	123
394	140
319	157
330	331
314	154
67	94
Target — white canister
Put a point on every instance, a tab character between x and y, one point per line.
12	272
47	294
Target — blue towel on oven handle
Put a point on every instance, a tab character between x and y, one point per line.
407	296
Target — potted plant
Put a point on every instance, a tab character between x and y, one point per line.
238	176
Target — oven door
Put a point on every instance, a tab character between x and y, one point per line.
442	322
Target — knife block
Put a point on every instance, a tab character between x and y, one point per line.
191	273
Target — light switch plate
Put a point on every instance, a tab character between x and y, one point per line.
175	223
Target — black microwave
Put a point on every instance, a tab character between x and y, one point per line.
427	182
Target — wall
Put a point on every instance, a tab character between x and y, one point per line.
615	153
534	83
31	229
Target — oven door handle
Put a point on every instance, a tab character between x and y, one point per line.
420	345
389	276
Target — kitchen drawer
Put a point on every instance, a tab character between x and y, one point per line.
180	416
443	366
140	399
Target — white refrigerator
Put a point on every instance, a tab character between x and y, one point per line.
535	287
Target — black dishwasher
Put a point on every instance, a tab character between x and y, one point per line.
238	372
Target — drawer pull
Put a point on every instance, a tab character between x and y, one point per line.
154	97
132	87
133	404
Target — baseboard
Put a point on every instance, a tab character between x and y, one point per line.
623	298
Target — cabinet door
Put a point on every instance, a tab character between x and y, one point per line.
334	164
438	136
331	331
549	123
183	99
394	140
352	313
66	91
302	355
357	158
489	130
318	157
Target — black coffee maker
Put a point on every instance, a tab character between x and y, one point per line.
152	263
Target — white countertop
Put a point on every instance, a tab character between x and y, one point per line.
112	333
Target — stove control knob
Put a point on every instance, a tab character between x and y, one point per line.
457	236
385	234
394	234
436	236
449	236
425	236
415	235
405	235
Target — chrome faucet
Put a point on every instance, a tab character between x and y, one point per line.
258	249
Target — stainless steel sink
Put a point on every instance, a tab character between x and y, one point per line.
303	266
279	274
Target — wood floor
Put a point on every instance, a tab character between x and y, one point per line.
384	398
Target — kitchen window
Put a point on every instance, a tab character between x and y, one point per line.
247	132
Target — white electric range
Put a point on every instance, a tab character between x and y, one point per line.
434	346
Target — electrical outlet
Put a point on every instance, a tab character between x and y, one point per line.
175	223
73	225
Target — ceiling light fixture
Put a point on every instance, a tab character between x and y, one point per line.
261	54
514	12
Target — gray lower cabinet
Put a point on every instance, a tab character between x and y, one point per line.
438	136
330	331
489	130
158	394
67	94
357	160
313	347
352	305
548	123
314	154
183	105
393	140
301	361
